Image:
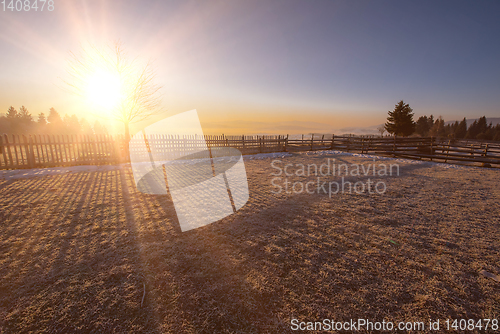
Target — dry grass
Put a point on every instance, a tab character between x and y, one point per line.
76	249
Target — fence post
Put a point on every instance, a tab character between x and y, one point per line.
286	143
243	141
485	151
432	147
394	146
312	141
9	151
447	151
3	151
333	142
5	161
54	159
15	148
31	153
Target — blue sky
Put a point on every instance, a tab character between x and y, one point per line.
341	63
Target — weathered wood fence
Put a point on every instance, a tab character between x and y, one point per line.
430	148
31	151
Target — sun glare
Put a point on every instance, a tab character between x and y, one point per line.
104	90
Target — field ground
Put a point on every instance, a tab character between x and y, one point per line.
77	249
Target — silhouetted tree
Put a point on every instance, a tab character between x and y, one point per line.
12	113
72	124
422	126
438	129
41	126
431	121
42	120
400	120
10	122
496	136
56	124
54	116
461	129
480	129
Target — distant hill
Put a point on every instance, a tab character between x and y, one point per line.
493	120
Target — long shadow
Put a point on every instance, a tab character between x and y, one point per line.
72	263
304	256
282	257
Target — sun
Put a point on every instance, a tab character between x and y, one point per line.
104	90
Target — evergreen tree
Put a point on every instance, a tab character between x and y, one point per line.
422	126
25	116
54	116
479	127
496	136
461	129
4	124
41	124
438	129
431	121
25	120
41	119
400	120
482	128
12	113
56	125
75	125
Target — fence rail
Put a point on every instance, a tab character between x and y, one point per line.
22	151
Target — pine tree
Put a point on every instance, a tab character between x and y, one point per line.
422	126
479	126
431	121
25	115
438	129
56	125
496	129
461	129
12	113
482	128
400	120
54	116
41	119
71	124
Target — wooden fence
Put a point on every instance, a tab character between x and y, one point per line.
33	151
21	151
430	148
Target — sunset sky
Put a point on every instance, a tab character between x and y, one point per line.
258	66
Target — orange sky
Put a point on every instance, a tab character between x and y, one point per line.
260	66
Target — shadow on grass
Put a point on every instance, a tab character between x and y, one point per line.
76	250
71	259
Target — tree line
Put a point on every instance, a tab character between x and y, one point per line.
22	122
400	122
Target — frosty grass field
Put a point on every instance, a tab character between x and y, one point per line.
82	250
